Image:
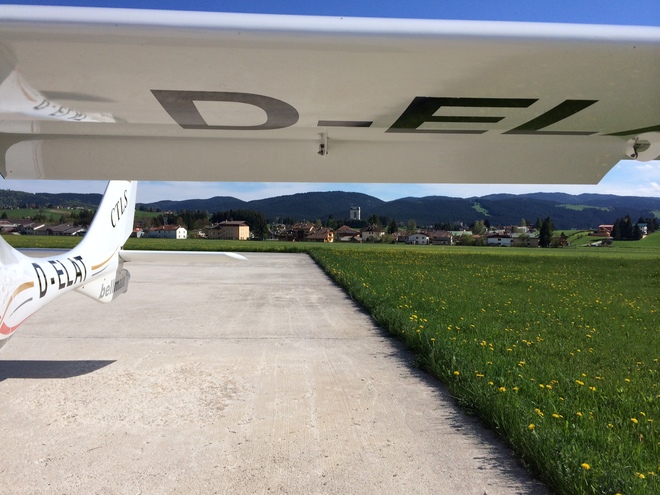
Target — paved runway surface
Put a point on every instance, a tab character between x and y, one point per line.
248	377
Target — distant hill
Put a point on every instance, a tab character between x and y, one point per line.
217	203
567	211
19	199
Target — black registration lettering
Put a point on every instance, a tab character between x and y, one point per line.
181	107
423	109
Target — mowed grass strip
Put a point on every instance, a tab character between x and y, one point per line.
558	353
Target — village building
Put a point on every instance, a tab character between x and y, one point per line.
26	226
321	235
61	230
372	232
604	231
418	239
346	234
441	238
168	232
229	230
499	240
524	240
7	226
298	232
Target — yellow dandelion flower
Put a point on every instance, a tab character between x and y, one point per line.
502	389
581	383
456	373
585	466
531	426
634	420
579	414
640	475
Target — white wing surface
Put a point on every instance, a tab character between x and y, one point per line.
149	95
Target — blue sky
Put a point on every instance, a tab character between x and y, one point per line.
626	178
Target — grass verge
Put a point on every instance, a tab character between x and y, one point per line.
559	354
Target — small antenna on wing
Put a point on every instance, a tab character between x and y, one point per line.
644	147
323	147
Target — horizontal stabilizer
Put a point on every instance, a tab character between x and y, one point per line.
106	289
179	256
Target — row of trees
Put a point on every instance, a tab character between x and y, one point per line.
625	230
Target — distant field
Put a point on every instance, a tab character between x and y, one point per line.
556	349
650	242
480	209
22	213
56	213
583	207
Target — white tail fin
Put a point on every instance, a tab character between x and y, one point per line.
112	225
93	267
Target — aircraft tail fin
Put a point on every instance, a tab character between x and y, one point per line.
112	225
113	222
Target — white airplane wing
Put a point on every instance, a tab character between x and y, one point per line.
149	95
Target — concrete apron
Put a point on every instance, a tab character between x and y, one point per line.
247	377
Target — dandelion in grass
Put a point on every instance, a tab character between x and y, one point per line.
456	373
585	466
634	420
502	389
531	426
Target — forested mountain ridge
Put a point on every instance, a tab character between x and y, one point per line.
567	211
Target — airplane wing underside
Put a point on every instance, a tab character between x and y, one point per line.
148	95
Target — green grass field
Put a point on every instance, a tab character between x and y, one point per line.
556	349
559	354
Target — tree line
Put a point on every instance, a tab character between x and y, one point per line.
625	230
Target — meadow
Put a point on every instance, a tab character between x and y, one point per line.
556	349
